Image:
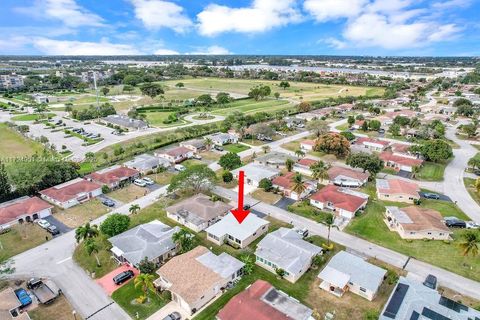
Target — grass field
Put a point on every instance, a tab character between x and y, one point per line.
89	262
248	106
446	255
59	309
21	238
431	171
156	119
470	185
128	194
82	213
13	144
32	116
236	148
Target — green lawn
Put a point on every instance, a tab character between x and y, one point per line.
125	297
236	148
32	116
89	263
156	119
13	144
304	209
447	255
292	145
251	106
470	185
21	238
431	171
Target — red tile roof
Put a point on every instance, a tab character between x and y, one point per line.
308	142
11	210
403	161
285	181
112	176
306	162
399	186
362	140
400	147
334	172
247	305
339	199
68	191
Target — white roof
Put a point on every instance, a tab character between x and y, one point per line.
241	231
257	172
335	277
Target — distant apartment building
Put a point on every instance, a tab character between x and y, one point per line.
11	81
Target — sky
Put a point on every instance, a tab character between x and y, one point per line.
284	27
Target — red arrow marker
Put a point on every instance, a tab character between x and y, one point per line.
240	214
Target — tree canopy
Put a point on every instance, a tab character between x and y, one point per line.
115	224
368	162
333	143
434	150
151	89
195	178
230	161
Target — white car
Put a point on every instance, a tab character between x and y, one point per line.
140	183
43	223
472	225
179	167
148	181
197	156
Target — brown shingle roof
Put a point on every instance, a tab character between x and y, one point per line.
336	171
201	206
423	219
8	300
398	186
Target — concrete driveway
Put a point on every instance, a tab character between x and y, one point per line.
170	307
106	197
60	226
284	202
442	196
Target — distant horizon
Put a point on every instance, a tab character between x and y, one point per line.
246	55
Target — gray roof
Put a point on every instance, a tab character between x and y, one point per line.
411	299
146	162
197	143
229	225
150	240
257	172
220	136
359	271
224	264
286	248
125	121
275	158
287	305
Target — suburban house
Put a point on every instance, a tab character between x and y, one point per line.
125	122
221	139
347	177
114	177
398	162
286	184
415	222
274	159
294	122
10	306
238	235
307	145
412	300
343	202
303	165
262	301
358	124
285	249
196	277
24	209
397	190
198	212
175	155
254	173
146	163
347	272
152	240
401	149
372	144
196	145
71	193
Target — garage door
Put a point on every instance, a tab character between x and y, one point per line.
406	168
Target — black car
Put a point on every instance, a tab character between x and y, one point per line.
431	282
108	203
53	230
218	148
429	195
122	277
173	316
456	223
246	207
381	130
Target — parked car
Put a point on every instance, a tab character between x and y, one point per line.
218	148
455	223
23	297
303	232
430	195
140	183
108	203
148	181
173	316
431	282
179	167
246	207
4	229
122	277
472	225
53	230
381	130
197	156
43	223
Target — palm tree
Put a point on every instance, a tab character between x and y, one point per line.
92	247
298	185
470	243
265	149
300	153
208	143
289	164
329	222
86	231
184	239
477	185
145	281
249	264
415	171
280	272
320	170
134	208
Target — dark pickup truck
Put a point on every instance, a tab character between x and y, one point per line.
45	291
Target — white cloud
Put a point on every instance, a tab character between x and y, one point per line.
67	47
66	11
166	52
261	16
324	10
212	50
452	4
335	43
156	14
444	32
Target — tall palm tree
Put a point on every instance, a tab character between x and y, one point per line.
86	231
208	143
470	243
184	239
320	170
300	153
298	185
330	223
92	248
249	263
265	149
134	208
145	281
289	164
